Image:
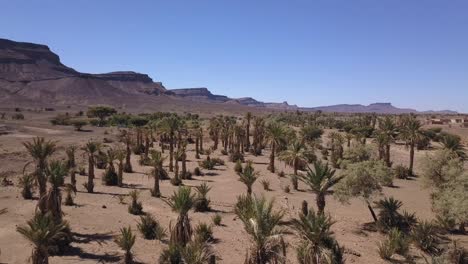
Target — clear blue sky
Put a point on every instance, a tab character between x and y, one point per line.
413	53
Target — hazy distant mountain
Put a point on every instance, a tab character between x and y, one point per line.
32	74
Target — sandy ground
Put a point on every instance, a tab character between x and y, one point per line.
95	225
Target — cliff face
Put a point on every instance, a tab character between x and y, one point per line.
198	94
33	72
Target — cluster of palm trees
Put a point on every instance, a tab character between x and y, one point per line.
262	223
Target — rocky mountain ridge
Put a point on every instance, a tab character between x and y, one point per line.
33	74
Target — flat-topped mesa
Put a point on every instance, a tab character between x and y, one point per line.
126	76
198	93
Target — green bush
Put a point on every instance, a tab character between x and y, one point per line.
150	228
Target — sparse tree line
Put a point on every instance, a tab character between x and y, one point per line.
352	161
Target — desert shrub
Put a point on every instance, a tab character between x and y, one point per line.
401	172
445	223
385	250
78	124
135	207
287	189
202	203
27	183
238	167
266	184
281	174
60	120
176	181
224	152
236	156
395	242
207	164
217	218
203	233
94	122
150	228
426	237
17	116
358	153
197	172
171	255
441	167
109	177
218	161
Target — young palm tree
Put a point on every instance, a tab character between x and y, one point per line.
262	225
453	143
42	231
295	155
258	135
177	156
110	176
248	118
181	202
27	184
275	133
171	125
317	244
388	128
197	252
52	200
320	180
120	155
91	149
157	160
126	241
382	141
40	150
126	137
411	132
248	176
70	151
214	131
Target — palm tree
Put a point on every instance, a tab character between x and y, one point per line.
248	176
411	132
157	160
295	155
317	244
52	200
453	143
40	150
388	128
91	149
178	155
181	202
248	118
258	135
171	124
381	139
71	163
42	231
126	241
126	137
262	225
120	155
275	133
320	180
214	130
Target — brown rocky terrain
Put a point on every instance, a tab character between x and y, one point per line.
32	75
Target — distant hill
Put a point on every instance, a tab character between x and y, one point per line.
31	74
